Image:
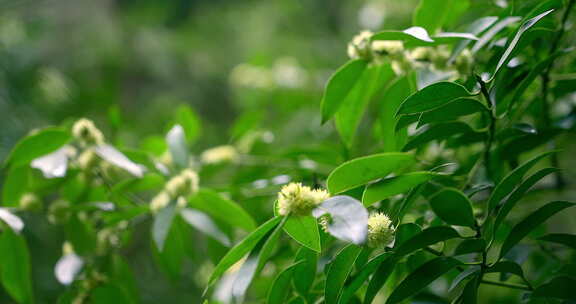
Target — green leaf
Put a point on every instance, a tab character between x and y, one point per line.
338	272
304	230
561	287
427	237
401	207
38	144
405	232
162	223
470	246
512	45
359	279
305	272
241	249
348	219
512	179
506	267
391	99
339	85
452	111
15	266
220	208
433	96
281	285
189	120
109	294
437	132
204	223
379	278
531	222
434	14
176	140
518	193
491	33
362	170
453	207
469	294
119	159
415	35
560	238
15	184
82	235
391	186
351	110
422	277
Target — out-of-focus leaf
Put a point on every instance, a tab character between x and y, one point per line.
561	287
391	186
512	45
506	267
469	294
453	207
359	279
426	238
432	96
437	132
117	158
413	34
338	272
434	14
531	222
379	278
421	277
81	234
362	170
348	219
53	165
11	220
305	272
190	122
489	34
204	223
512	179
109	294
15	184
339	85
176	140
15	269
220	208
304	230
38	144
560	238
67	267
162	223
281	285
240	249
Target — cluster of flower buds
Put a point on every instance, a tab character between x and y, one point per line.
177	188
86	133
380	230
220	154
30	202
401	59
296	199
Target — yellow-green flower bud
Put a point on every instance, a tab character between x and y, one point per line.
392	48
86	133
88	160
30	202
299	200
421	54
440	58
464	62
360	46
380	230
159	201
58	212
184	184
221	154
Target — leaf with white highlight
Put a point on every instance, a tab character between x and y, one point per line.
348	218
176	140
205	224
67	268
118	159
11	220
53	165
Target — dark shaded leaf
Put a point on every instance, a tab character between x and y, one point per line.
560	238
338	272
391	186
453	207
281	285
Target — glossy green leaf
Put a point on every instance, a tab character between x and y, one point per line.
405	232
281	286
304	230
528	224
427	237
362	170
470	246
38	144
506	267
508	183
452	111
560	238
391	186
453	207
220	208
338	272
358	280
305	272
437	132
493	31
514	42
348	219
434	14
432	96
162	223
561	287
15	269
391	99
422	277
379	278
340	85
241	249
416	34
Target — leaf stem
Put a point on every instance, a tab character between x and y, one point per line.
491	126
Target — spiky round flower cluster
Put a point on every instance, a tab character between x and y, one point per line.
380	230
360	46
177	188
86	133
220	154
297	199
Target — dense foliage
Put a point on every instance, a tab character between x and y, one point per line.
434	168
